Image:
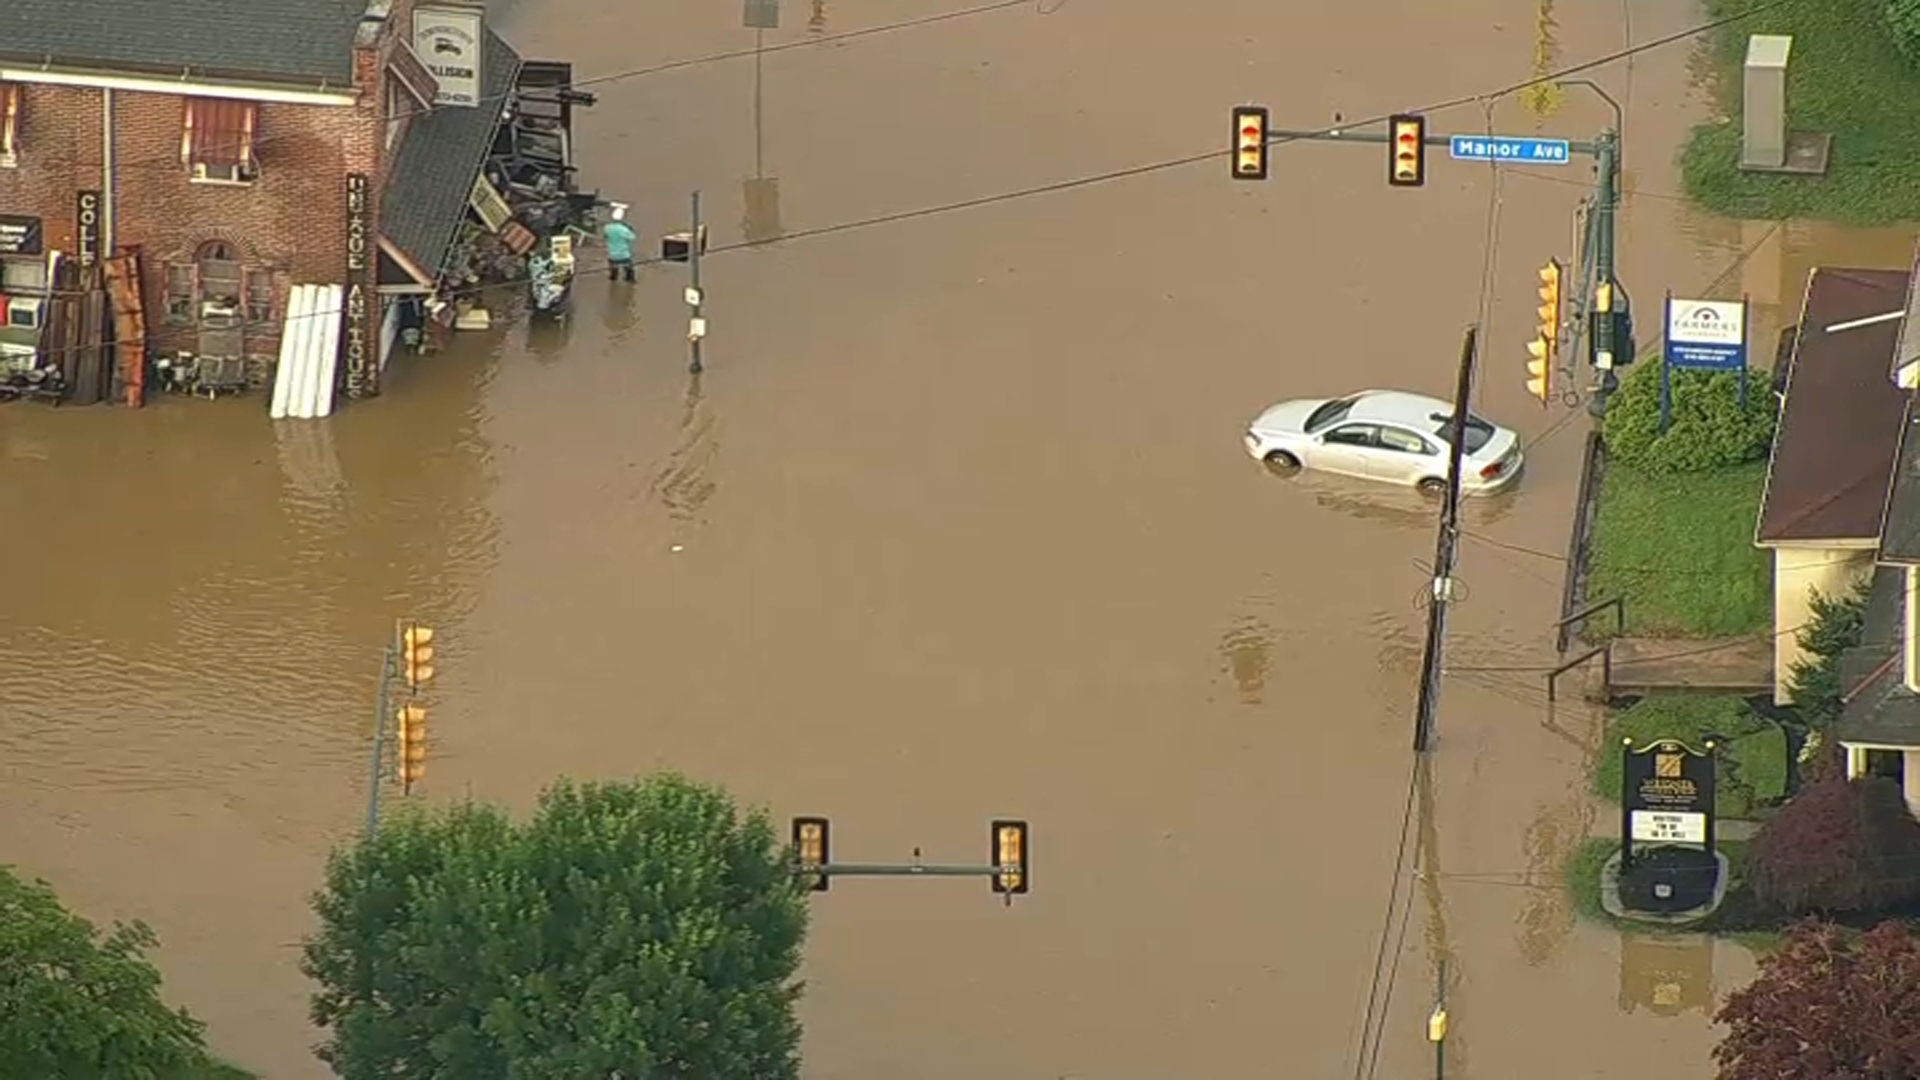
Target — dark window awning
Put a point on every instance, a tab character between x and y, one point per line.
218	131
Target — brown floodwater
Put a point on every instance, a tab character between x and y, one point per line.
956	525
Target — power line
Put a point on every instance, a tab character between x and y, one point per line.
1087	180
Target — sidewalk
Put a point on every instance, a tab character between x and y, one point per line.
1742	665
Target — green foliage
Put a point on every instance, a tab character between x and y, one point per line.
1903	19
1708	429
1840	846
1836	626
80	1005
1848	78
643	930
1753	761
1680	550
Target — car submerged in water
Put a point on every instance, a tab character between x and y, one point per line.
1385	435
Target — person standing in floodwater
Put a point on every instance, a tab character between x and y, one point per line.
618	236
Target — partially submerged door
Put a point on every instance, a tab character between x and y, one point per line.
222	314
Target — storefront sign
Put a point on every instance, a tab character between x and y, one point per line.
1706	334
1667	794
449	38
19	235
356	353
86	228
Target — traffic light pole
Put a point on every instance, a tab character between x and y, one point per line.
379	737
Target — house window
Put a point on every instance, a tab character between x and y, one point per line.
222	286
260	297
217	140
9	125
181	289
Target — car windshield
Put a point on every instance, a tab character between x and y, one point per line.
1479	432
1330	413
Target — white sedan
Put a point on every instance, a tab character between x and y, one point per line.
1384	435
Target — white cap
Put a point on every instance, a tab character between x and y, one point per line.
619	210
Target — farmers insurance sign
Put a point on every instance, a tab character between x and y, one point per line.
449	38
1706	333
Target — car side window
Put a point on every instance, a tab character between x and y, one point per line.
1352	435
1404	441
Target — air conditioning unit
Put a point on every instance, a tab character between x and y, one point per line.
222	174
23	312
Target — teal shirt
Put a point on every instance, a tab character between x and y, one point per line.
619	238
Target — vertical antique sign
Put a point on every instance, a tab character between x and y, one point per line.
357	360
86	228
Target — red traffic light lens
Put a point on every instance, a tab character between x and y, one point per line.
1408	138
1251	131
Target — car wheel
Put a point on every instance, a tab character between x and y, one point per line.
1281	461
1432	486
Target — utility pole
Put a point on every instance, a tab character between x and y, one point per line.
697	322
1446	548
379	737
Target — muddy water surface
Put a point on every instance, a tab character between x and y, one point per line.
956	525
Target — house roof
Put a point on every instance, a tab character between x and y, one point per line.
1900	529
431	178
1907	351
1840	426
1879	707
299	40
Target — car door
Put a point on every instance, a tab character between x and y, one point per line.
1405	457
1346	449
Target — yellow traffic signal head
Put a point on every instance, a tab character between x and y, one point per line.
812	846
1250	142
410	739
416	654
1540	369
1407	164
1010	851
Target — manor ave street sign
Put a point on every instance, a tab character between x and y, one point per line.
1510	148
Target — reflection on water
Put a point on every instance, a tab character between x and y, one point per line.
683	484
1555	831
1400	507
1666	974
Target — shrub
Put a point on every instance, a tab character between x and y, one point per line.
1814	680
1708	429
1903	19
1827	1005
1841	846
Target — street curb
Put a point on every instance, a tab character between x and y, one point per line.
1573	592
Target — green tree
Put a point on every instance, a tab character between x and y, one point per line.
1836	625
80	1005
641	930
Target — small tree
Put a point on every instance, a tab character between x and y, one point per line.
638	930
1841	846
76	1003
1836	625
1827	1006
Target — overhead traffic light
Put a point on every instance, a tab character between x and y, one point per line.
812	847
1250	142
1407	167
410	743
1010	852
1544	350
416	655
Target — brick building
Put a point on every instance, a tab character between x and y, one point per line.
241	147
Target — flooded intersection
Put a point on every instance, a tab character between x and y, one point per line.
955	525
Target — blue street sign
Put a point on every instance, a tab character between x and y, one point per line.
1510	148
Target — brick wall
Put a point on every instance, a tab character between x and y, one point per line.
59	154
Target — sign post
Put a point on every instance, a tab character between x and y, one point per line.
1706	334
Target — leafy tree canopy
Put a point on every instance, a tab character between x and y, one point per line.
636	930
79	1005
1827	1006
1840	846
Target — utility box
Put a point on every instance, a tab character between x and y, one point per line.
1766	144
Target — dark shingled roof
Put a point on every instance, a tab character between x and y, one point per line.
442	151
1900	528
1880	709
306	41
1840	427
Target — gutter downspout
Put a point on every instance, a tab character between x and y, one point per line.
106	173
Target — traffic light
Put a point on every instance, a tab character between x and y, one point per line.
410	743
1250	142
415	655
1010	857
1544	350
811	848
1408	165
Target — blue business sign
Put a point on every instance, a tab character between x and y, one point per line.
1706	334
1510	148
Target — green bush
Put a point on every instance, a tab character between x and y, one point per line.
1903	19
1753	761
1835	627
1708	429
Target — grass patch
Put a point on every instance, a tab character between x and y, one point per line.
1753	762
219	1070
1680	550
1845	77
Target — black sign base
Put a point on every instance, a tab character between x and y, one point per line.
1667	880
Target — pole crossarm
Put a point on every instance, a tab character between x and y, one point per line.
1381	138
903	869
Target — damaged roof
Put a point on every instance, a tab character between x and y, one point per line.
308	41
432	174
1840	428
